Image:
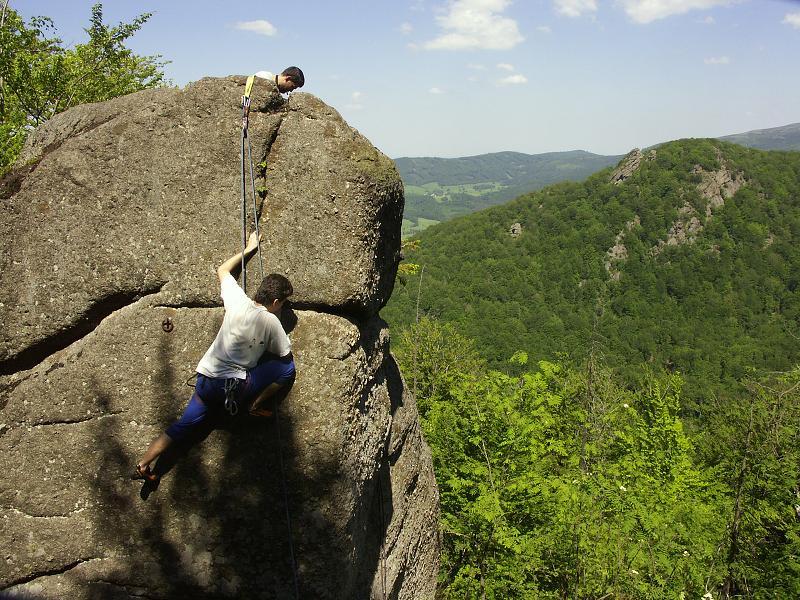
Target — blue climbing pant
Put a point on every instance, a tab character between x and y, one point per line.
209	394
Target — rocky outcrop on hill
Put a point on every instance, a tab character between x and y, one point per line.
113	224
619	252
629	165
714	188
717	186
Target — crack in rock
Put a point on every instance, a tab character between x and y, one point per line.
25	515
37	353
50	572
196	304
69	421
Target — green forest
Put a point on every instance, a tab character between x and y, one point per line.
615	432
564	482
440	189
712	310
40	76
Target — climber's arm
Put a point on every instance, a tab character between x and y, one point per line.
235	262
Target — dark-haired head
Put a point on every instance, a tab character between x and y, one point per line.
273	287
295	75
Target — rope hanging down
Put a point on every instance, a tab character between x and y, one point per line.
245	122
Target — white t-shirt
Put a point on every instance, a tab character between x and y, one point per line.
248	330
266	75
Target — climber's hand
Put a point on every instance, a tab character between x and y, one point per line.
253	241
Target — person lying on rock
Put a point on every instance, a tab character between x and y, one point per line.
249	361
289	80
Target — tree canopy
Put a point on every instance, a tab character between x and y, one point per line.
40	77
563	482
713	309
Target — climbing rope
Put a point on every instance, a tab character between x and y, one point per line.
245	137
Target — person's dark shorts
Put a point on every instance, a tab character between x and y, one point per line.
209	393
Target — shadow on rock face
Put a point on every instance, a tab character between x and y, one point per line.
234	515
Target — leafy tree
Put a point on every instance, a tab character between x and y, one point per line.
39	77
560	483
752	443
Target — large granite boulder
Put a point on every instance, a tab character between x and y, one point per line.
113	224
142	194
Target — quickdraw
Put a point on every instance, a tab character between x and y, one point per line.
231	403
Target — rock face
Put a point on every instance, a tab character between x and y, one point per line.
618	253
627	166
114	223
630	164
714	188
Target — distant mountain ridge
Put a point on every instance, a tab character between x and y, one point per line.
440	189
684	258
786	137
511	168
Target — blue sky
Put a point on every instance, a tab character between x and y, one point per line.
464	77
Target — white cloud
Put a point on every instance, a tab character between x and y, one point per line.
717	60
513	80
355	101
647	11
792	19
575	8
505	66
476	25
709	20
435	90
476	67
260	27
406	28
544	29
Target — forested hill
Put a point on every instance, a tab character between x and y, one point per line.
690	263
774	138
511	168
439	189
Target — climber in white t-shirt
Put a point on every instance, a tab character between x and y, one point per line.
289	80
249	360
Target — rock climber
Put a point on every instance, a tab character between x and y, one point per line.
289	80
248	362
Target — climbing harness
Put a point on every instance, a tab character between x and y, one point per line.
245	137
